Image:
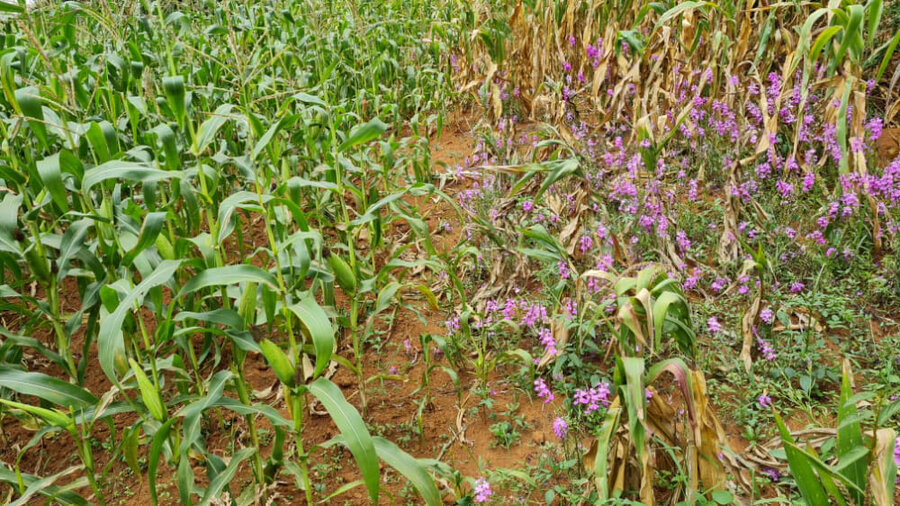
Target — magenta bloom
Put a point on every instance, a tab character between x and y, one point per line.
897	454
713	325
542	390
592	398
765	401
560	427
797	287
482	490
527	206
767	315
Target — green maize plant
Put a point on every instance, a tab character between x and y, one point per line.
181	202
858	466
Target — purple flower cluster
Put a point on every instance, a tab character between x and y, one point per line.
542	390
592	398
548	341
482	490
560	427
767	315
765	349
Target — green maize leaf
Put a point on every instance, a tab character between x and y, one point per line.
660	309
51	175
156	446
634	401
306	98
166	137
130	442
44	486
852	31
46	387
72	242
53	417
386	296
261	410
193	412
149	394
825	476
826	473
874	11
98	142
110	341
354	431
228	206
841	128
886	59
228	275
31	105
12	7
174	89
849	436
263	142
222	316
823	39
799	462
218	484
208	130
279	362
318	328
153	224
559	170
411	468
601	458
887	413
184	478
127	171
343	489
680	9
362	134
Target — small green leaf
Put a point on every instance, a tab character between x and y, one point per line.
362	134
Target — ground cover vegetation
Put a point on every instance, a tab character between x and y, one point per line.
506	252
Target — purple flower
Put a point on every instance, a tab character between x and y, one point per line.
586	243
766	350
718	285
542	390
713	325
797	287
765	401
592	398
897	455
527	206
548	341
452	325
648	393
560	427
773	474
482	490
767	315
563	269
